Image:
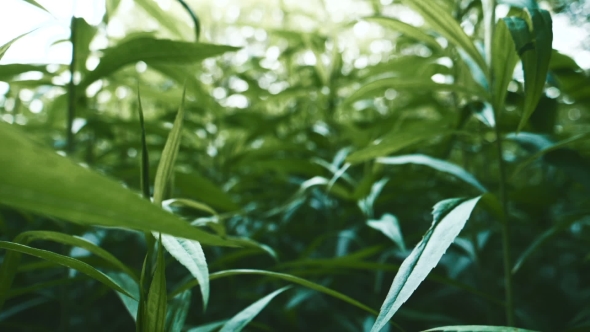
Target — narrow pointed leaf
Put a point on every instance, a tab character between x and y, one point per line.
449	217
406	29
5	47
155	315
283	276
39	180
190	254
152	50
396	141
145	159
131	286
504	59
389	226
166	164
177	312
208	327
376	87
66	261
477	328
438	164
239	321
441	21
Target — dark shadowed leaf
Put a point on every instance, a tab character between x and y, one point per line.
477	328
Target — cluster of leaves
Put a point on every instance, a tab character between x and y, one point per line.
301	164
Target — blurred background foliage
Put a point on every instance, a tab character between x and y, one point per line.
271	141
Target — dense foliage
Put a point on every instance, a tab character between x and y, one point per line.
339	151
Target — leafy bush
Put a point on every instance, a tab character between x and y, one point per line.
299	169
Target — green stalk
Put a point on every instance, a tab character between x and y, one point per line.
194	17
71	90
490	23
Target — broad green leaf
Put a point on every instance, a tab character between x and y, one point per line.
155	315
39	180
84	33
132	287
477	328
152	50
504	59
406	29
7	72
168	158
396	141
66	261
190	254
449	217
177	312
441	21
389	226
208	327
239	321
283	276
438	164
371	89
6	46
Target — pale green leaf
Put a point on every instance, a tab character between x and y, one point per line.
438	164
442	21
168	158
449	217
36	4
190	254
132	287
6	46
406	29
389	226
504	59
39	180
177	312
208	327
239	321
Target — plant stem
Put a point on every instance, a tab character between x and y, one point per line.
194	17
71	90
490	23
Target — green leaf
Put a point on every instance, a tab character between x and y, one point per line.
36	4
27	237
168	158
190	254
152	50
131	286
66	261
7	72
449	217
239	321
177	312
395	141
155	315
162	17
406	29
438	164
477	328
204	190
41	181
208	327
6	46
283	276
144	169
504	59
373	88
441	21
389	226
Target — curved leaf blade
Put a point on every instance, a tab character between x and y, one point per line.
437	164
151	50
155	309
239	321
38	180
504	59
389	226
178	311
406	29
66	261
477	328
449	217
